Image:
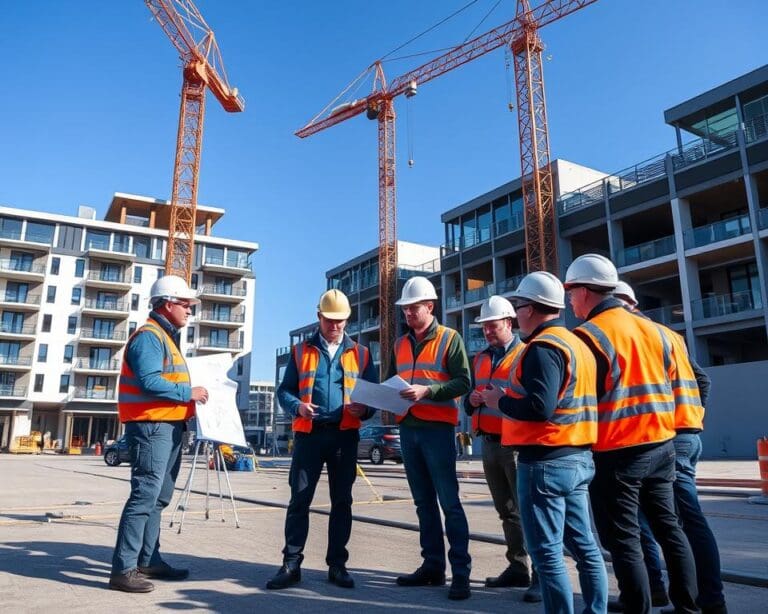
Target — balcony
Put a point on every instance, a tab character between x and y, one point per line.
762	218
224	292
646	251
207	344
478	294
119	252
636	175
582	198
668	315
21	269
370	323
704	148
719	231
238	264
108	279
102	337
453	302
725	304
15	363
106	307
12	392
474	237
756	129
211	317
20	302
505	286
506	226
96	393
17	331
85	365
33	240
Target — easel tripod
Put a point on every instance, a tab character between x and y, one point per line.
211	454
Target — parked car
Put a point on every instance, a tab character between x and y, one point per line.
379	443
117	452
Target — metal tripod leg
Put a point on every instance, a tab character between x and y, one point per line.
208	459
183	501
231	498
219	464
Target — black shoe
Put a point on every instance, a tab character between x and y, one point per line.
659	598
509	577
422	577
285	577
338	575
130	582
164	571
533	593
615	605
459	588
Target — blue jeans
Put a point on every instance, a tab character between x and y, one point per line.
695	526
651	556
554	506
155	461
429	457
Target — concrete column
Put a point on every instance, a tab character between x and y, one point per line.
208	226
123	213
616	238
152	217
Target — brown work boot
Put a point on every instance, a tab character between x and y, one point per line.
163	571
130	582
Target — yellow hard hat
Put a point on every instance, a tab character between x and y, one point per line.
334	305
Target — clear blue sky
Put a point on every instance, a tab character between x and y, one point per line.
89	106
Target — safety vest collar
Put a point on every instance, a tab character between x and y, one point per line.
542	327
605	305
346	342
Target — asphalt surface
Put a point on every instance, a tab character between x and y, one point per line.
59	516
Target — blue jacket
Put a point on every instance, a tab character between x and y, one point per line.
328	392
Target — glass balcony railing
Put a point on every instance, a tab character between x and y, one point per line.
224	290
94	394
221	316
7	390
231	261
719	231
762	218
646	251
220	343
701	149
448	249
98	365
670	314
511	224
581	198
105	304
21	266
283	351
117	277
17	361
453	301
509	285
21	299
478	294
726	304
94	333
11	233
17	329
636	175
475	237
756	129
370	323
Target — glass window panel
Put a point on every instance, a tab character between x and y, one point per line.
95	239
40	233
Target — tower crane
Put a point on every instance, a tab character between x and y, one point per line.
521	35
203	68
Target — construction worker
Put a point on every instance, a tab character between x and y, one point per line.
155	400
691	389
634	454
432	359
492	366
553	423
316	388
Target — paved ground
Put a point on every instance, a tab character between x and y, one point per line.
58	519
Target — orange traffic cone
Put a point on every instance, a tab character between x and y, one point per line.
762	460
97	448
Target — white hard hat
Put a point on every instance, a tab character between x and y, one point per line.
592	270
334	305
625	292
495	308
543	288
415	290
172	287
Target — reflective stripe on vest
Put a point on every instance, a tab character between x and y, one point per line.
135	405
485	419
307	357
689	412
429	367
574	422
638	406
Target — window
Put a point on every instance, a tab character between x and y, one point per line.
107	300
194	310
21	261
131	328
79	267
47	323
111	272
237	259
193	281
40	233
64	383
103	329
77	294
72	325
39	381
191	334
137	274
96	240
240	367
16	292
55	264
69	351
214	255
10	228
157	254
51	294
160	273
134	302
12	322
121	243
42	353
141	246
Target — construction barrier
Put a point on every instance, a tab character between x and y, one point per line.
762	461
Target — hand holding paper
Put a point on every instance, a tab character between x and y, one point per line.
383	396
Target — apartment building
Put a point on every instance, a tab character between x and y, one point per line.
687	229
257	419
74	288
358	278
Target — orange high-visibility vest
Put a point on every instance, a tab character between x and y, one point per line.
574	422
638	406
485	419
429	367
135	405
353	362
689	411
